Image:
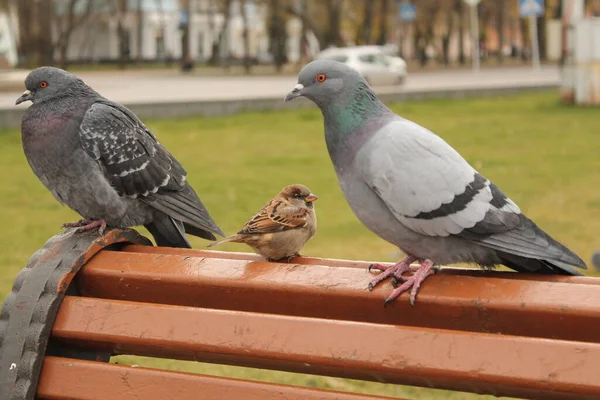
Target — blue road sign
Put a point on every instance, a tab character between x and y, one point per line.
408	12
531	8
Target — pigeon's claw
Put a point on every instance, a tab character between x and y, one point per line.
392	270
413	283
89	225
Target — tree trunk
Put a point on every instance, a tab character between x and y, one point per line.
364	31
186	59
122	33
246	35
461	32
500	30
524	35
277	36
140	31
541	21
303	45
383	12
217	48
333	34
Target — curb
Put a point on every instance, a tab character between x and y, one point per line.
10	118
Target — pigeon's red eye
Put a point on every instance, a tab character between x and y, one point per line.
43	84
321	77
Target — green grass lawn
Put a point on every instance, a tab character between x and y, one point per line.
542	154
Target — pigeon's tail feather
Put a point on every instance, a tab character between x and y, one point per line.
168	232
233	238
204	234
527	248
531	265
186	207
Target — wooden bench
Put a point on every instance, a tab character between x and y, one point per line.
82	299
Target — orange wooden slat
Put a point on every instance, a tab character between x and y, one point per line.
545	308
65	378
482	363
334	262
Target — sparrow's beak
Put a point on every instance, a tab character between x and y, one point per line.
311	197
26	96
296	92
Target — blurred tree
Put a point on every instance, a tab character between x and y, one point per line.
277	34
364	30
185	20
333	34
140	31
35	41
303	45
120	10
500	17
220	46
427	14
72	16
383	14
246	36
449	17
459	10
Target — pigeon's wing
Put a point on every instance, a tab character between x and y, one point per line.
432	190
137	166
425	183
276	216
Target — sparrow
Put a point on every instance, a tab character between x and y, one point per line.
282	227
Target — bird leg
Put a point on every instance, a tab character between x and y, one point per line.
391	270
413	283
85	225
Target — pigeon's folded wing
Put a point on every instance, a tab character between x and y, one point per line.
429	187
432	190
276	216
137	166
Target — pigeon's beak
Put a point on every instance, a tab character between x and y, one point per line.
26	96
296	92
311	198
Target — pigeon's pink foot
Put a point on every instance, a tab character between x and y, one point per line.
413	283
85	225
391	270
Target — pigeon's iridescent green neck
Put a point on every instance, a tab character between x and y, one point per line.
350	119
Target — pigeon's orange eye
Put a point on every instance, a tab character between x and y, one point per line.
321	77
43	84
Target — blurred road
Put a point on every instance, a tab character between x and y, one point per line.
146	88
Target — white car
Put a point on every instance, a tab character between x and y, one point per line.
374	63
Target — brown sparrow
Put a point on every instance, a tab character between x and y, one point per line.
282	227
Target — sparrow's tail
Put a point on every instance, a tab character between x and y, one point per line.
232	238
168	232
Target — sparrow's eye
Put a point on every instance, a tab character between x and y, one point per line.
298	195
321	78
43	84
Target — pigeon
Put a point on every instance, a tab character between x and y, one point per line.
412	189
282	227
98	158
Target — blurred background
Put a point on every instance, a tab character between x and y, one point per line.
513	85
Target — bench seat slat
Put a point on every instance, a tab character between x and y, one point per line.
65	378
506	303
478	362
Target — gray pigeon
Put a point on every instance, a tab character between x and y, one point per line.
99	159
411	188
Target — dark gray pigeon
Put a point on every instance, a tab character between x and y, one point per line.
99	159
411	188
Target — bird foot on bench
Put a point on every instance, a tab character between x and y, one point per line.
395	270
85	225
413	283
